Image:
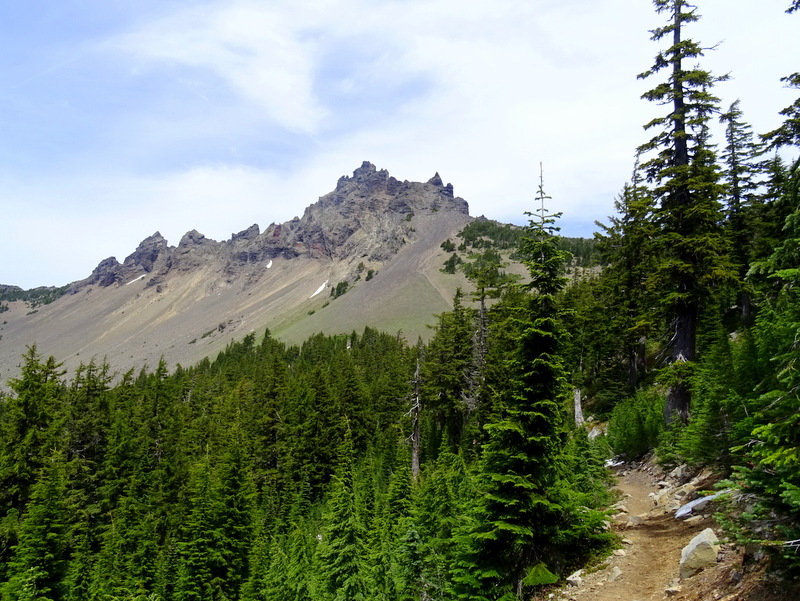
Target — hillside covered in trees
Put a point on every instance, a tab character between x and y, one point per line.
362	467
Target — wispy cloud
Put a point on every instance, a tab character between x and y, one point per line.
250	47
213	115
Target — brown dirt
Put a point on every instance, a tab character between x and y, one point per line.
652	550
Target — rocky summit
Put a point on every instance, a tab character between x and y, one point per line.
374	236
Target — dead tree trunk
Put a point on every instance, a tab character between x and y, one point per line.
415	412
578	408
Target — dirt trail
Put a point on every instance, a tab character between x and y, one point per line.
649	562
651	549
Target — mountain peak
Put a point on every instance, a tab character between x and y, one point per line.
175	301
368	215
436	180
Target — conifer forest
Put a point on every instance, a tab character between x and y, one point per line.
365	467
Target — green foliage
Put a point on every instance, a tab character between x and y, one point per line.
35	297
485	233
340	289
691	248
486	271
341	554
283	473
788	133
452	264
636	423
38	564
521	518
584	251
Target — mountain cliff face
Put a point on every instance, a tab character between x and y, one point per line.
373	235
368	216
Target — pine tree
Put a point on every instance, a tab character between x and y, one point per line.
516	519
443	498
742	170
38	564
200	550
448	357
626	246
788	133
341	554
30	424
301	569
277	585
686	185
234	514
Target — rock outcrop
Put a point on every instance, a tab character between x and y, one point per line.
368	217
373	235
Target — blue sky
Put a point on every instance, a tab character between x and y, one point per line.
118	119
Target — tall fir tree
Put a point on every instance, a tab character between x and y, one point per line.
30	422
38	565
626	246
448	357
683	171
743	166
510	542
341	554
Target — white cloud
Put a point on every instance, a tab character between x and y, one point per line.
251	47
281	98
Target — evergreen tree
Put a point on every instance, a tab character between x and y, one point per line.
742	170
485	271
788	133
30	423
37	567
277	585
515	525
301	567
444	497
769	214
448	357
341	554
690	245
626	246
201	560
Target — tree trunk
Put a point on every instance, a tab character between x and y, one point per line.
636	362
576	396
679	393
684	350
416	436
747	310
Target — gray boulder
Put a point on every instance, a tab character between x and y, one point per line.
700	553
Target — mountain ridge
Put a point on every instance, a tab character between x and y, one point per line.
373	235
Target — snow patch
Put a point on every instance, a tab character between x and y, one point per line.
269	264
136	279
320	289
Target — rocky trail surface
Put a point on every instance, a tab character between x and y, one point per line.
647	567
